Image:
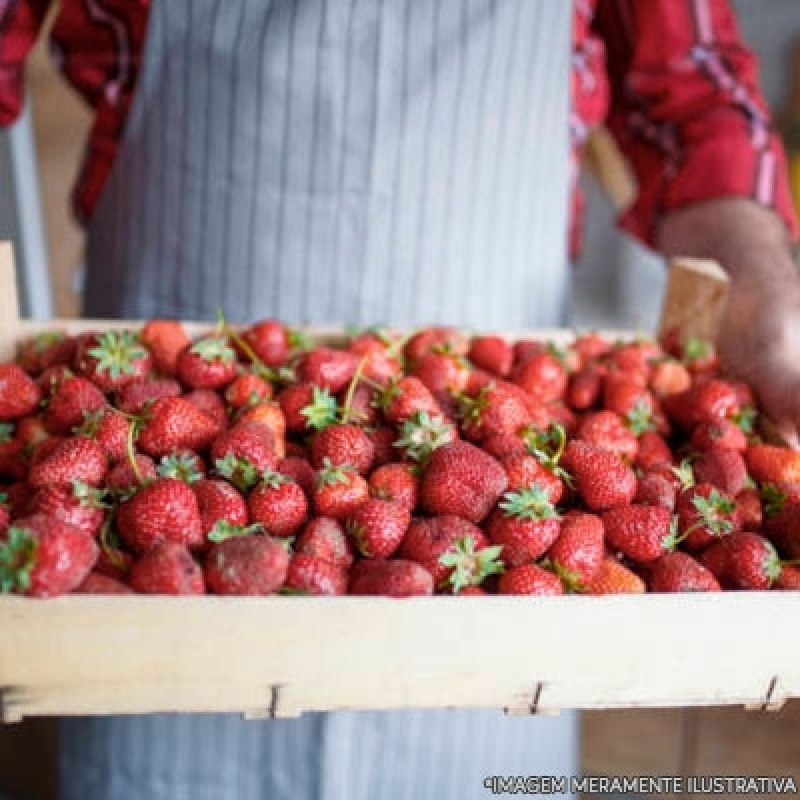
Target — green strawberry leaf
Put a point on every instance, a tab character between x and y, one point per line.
323	410
531	503
214	348
117	352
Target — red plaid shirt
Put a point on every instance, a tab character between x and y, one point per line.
672	78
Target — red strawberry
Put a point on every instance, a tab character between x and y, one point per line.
585	388
5	513
442	338
271	341
703	402
422	433
278	504
165	339
442	372
243	452
789	577
653	451
643	533
167	569
19	394
44	557
135	396
504	445
396	482
770	464
306	407
752	562
122	479
211	404
378	526
175	423
453	550
300	471
81	506
53	377
655	489
44	350
722	468
699	354
614	578
601	478
109	429
184	465
578	552
718	433
339	491
379	349
248	389
529	579
679	572
208	363
462	480
327	368
524	470
669	377
112	359
74	459
164	510
218	501
362	409
403	398
69	404
591	346
13	464
783	527
343	444
383	441
542	376
705	513
392	578
97	583
495	409
606	430
492	353
315	576
324	538
635	358
252	564
526	524
749	512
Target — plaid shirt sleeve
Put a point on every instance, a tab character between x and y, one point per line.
687	110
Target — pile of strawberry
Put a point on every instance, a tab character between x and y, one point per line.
258	462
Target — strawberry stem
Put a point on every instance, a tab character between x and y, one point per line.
348	398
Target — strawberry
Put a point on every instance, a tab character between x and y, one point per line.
5	513
494	409
529	579
783	528
311	575
175	423
703	402
643	533
270	415
69	404
324	538
704	515
243	452
655	489
679	572
752	562
109	429
635	358
184	465
271	341
699	354
80	505
602	480
491	353
504	445
46	349
422	433
218	501
343	444
378	526
653	450
327	368
526	348
441	338
73	459
453	550
525	523
715	560
718	433
164	510
306	407
165	339
113	359
12	452
402	398
614	578
97	583
339	491
19	394
381	363
577	553
278	504
383	438
136	396
789	577
632	402
749	512
585	388
300	471
250	564
442	372
168	568
463	480
392	578
542	376
770	464
606	430
669	377
362	409
44	557
208	363
722	467
395	482
123	479
211	404
247	390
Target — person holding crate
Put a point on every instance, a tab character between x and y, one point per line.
403	162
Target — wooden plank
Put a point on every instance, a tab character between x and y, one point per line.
9	301
283	656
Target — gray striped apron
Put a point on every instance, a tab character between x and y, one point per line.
348	161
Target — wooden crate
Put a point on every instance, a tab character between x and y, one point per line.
280	656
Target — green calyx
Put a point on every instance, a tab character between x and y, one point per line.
772	563
331	474
274	479
423	433
531	503
181	466
4	501
745	418
695	348
557	352
674	537
773	499
684	473
241	472
547	447
117	352
42	341
88	496
6	432
322	411
17	558
640	419
712	510
571	580
223	530
300	340
470	567
214	348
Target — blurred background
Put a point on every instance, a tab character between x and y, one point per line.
618	284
